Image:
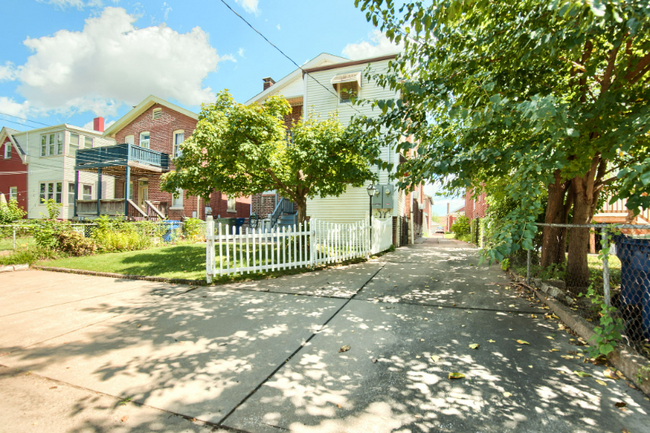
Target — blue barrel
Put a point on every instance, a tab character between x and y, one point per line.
635	274
239	222
170	227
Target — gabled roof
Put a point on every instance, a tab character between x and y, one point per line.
9	133
319	60
143	106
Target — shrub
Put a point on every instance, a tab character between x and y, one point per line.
29	255
117	235
192	229
74	243
11	212
461	226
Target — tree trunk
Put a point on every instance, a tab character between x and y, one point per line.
302	210
554	238
585	203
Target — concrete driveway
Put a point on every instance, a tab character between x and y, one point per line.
80	353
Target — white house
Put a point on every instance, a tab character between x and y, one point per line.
51	153
324	85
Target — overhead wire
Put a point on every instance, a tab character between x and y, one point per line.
22	118
284	54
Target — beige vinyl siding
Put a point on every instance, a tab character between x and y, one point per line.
354	203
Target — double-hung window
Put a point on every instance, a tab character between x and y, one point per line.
52	144
13	193
51	190
71	193
232	204
177	199
144	139
179	137
7	150
87	192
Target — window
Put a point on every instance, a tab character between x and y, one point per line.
88	142
232	204
179	137
13	193
131	190
59	143
130	139
51	145
74	139
347	91
87	192
51	190
7	150
157	113
43	145
71	193
177	202
144	140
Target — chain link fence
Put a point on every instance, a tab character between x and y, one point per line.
614	269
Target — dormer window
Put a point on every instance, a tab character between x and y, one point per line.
144	139
7	150
157	113
347	86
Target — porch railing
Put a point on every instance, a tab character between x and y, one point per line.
120	154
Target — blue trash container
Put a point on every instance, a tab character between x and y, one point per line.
170	227
239	222
635	274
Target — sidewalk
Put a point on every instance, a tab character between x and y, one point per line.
266	356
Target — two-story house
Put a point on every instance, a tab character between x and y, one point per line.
325	85
148	139
43	161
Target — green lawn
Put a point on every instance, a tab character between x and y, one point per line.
178	261
6	244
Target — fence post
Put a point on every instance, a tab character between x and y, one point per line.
209	249
528	259
604	245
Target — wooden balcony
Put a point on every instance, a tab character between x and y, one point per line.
113	159
117	207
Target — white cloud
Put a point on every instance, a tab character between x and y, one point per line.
90	125
278	27
379	45
13	108
79	4
111	62
8	72
249	6
240	53
166	10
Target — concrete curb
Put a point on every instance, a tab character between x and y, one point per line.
12	268
122	276
628	361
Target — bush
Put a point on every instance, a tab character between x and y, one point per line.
461	226
11	212
113	235
75	243
29	255
192	229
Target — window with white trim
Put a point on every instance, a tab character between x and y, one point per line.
87	192
51	190
13	193
144	139
347	91
43	145
157	113
7	150
179	137
232	204
59	143
130	139
71	193
177	200
52	144
88	142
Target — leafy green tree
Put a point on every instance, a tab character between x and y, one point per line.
538	94
246	149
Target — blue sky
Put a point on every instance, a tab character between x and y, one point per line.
71	60
68	61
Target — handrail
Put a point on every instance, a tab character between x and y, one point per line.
155	209
275	215
136	207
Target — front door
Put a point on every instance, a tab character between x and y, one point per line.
143	192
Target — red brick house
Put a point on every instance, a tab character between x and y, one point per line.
475	207
148	140
13	168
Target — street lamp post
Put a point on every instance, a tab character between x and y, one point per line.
372	189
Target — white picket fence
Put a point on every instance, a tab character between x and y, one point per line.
301	245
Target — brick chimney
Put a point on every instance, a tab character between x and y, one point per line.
268	82
98	124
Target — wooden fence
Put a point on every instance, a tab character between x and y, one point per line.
300	245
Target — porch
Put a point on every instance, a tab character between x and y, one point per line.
126	163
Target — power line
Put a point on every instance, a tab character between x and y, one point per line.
282	52
22	118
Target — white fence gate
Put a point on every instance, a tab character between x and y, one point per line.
300	245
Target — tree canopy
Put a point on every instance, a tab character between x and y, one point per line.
543	98
246	149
